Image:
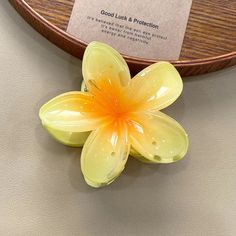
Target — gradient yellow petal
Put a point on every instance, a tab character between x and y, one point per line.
156	87
158	138
101	61
72	139
71	112
104	155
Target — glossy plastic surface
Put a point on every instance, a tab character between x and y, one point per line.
121	113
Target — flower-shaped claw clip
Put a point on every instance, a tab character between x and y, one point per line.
117	116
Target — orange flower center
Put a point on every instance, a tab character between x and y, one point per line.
111	100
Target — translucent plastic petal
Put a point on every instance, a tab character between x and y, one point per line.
71	112
156	87
73	139
138	156
158	138
101	61
104	155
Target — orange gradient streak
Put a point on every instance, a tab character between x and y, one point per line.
111	100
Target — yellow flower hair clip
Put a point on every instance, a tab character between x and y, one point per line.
117	116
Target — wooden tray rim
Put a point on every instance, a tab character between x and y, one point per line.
142	61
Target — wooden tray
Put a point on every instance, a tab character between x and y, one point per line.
209	43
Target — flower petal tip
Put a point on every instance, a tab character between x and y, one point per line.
97	185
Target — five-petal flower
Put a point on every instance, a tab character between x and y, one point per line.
118	116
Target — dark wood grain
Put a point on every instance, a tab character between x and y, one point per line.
209	43
211	29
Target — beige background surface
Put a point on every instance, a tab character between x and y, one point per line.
42	191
